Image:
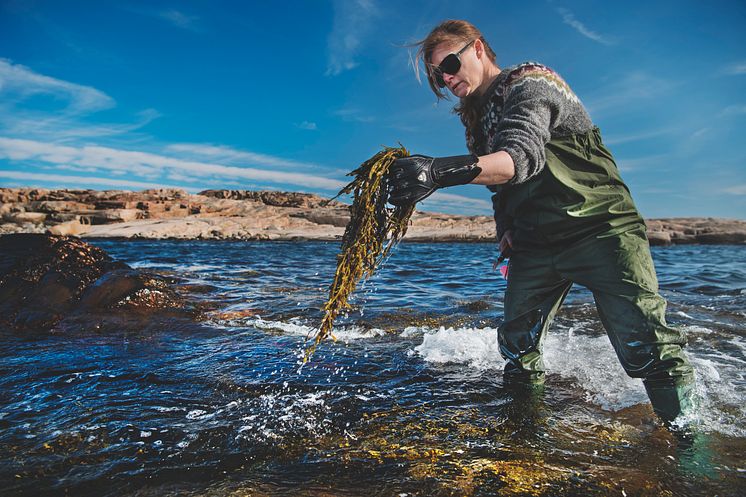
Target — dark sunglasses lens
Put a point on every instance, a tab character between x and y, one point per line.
451	64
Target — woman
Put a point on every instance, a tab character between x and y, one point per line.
562	211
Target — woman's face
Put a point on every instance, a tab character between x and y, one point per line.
469	77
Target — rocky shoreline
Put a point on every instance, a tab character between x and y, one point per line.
265	215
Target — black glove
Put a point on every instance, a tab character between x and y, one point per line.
414	178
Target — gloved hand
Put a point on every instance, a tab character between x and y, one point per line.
414	178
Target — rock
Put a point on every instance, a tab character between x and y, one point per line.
109	216
659	238
277	199
336	217
74	227
56	206
48	282
728	238
112	287
272	215
25	217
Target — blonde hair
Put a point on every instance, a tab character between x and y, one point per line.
454	31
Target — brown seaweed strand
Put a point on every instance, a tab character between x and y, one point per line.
373	230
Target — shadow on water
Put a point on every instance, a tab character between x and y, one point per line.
410	400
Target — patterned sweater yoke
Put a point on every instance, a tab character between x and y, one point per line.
523	109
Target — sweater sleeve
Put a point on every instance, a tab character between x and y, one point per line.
536	101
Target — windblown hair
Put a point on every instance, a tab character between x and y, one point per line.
454	32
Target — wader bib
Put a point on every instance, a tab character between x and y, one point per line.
575	222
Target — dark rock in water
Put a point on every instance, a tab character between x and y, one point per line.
49	281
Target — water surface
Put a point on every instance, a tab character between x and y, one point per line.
408	401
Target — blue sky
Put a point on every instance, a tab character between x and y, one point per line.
293	95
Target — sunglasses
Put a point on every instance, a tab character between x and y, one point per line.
451	64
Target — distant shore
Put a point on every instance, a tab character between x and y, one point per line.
265	215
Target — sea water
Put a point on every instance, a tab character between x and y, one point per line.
409	399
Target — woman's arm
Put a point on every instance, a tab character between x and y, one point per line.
497	168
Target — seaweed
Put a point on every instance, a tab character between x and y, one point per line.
373	231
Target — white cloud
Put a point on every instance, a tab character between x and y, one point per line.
309	125
172	16
149	164
180	19
440	199
736	190
353	115
735	69
61	127
733	110
229	155
635	137
647	162
633	89
18	83
76	181
569	19
700	132
352	20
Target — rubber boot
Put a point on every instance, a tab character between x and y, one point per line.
670	399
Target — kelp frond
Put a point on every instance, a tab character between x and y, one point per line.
373	230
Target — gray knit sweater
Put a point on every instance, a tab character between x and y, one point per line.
526	106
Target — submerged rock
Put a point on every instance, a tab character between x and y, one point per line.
56	283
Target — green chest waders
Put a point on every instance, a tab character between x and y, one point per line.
576	222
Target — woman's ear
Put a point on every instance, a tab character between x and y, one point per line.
478	48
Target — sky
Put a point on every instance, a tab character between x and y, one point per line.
293	95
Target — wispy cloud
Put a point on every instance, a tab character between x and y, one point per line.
569	19
62	128
635	137
736	190
351	25
353	115
18	83
180	19
57	139
75	181
733	110
233	156
66	107
149	164
648	162
735	69
308	125
635	87
174	17
450	201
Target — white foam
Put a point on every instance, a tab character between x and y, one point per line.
592	362
199	267
295	326
145	264
593	365
472	346
691	328
719	398
196	414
